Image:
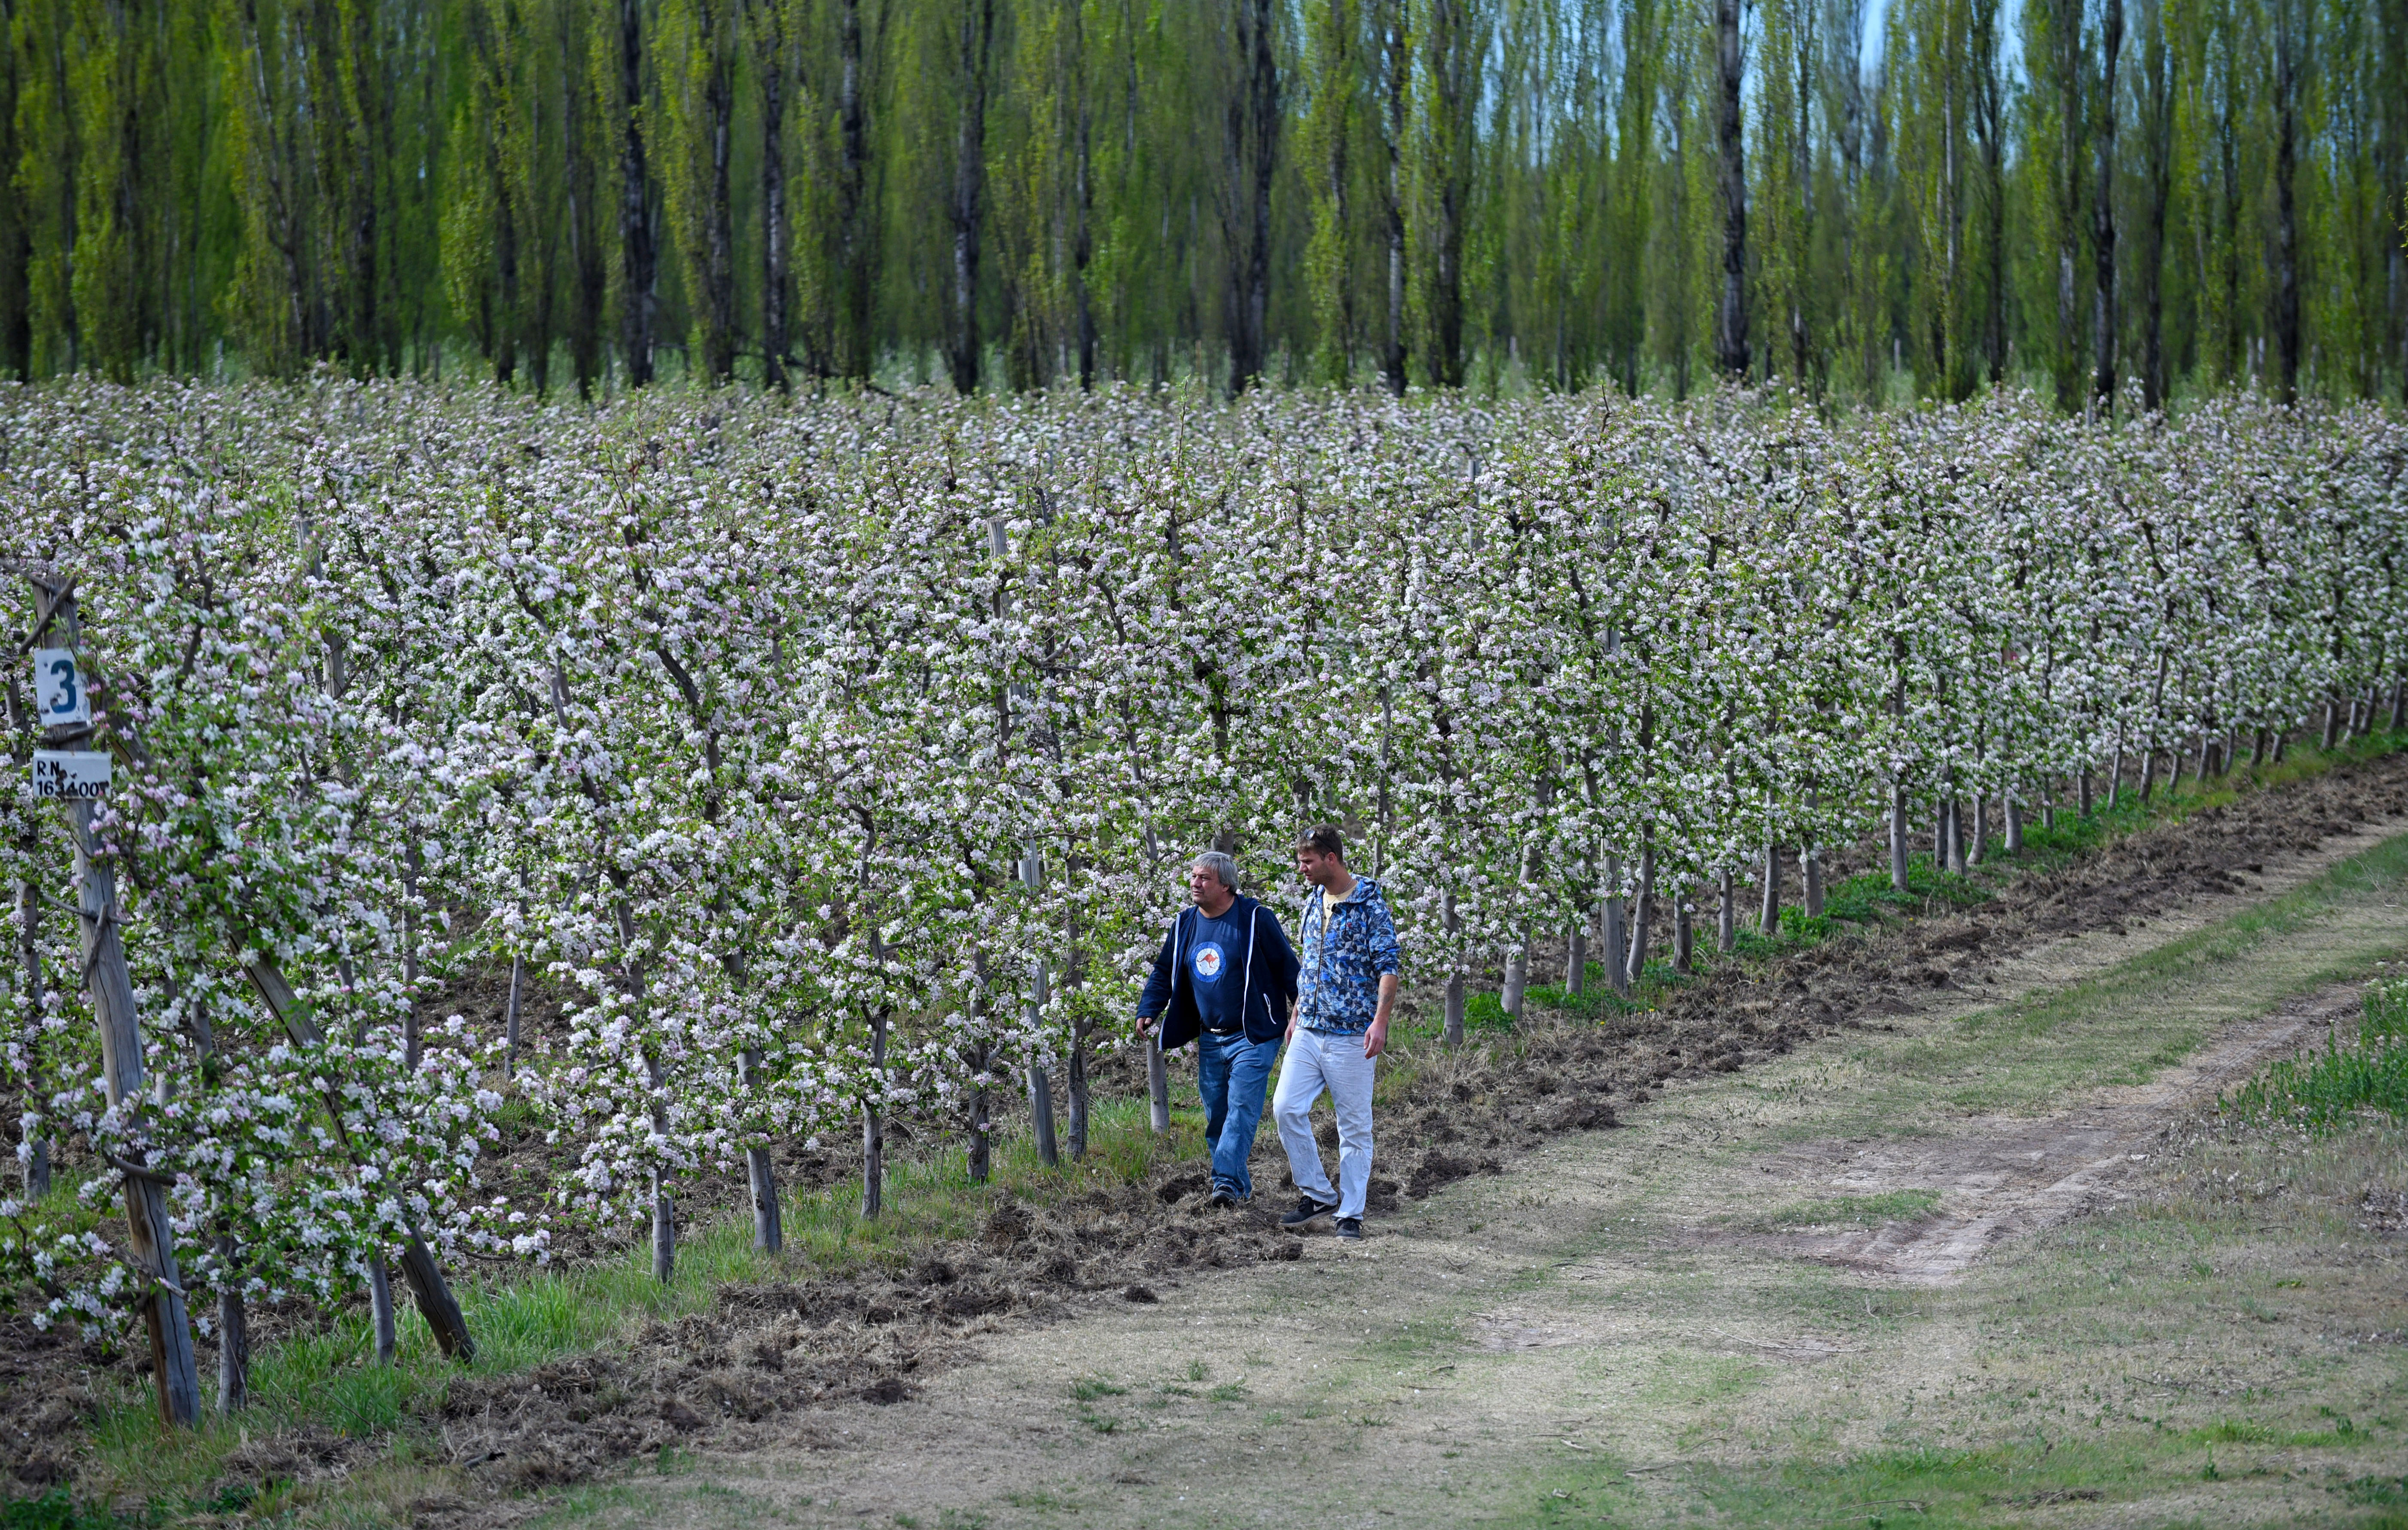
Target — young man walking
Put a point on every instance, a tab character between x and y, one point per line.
1225	976
1345	993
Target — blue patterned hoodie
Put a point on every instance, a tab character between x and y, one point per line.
1342	959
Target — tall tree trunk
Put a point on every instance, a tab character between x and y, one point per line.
1398	75
1453	63
2156	101
1253	145
2066	44
719	217
638	219
1990	127
2285	283
1083	251
1731	309
770	71
974	51
856	232
2102	212
589	273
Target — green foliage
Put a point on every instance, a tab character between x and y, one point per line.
56	1510
1493	193
2323	1092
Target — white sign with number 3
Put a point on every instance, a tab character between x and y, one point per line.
59	694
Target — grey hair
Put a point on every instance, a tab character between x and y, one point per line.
1222	865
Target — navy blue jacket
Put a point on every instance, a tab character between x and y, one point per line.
1269	966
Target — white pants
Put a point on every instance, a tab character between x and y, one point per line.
1316	1062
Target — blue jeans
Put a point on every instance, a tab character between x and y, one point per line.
1232	1074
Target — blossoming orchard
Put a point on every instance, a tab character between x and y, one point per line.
837	760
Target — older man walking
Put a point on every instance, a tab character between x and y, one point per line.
1345	994
1225	975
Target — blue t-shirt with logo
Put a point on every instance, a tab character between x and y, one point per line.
1216	966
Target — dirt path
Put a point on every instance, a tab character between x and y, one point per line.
1772	1279
2002	1177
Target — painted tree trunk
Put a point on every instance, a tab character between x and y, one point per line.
1770	921
2281	742
1956	836
1726	911
664	1183
1040	1115
761	1175
2332	719
1810	864
1897	856
1978	850
2013	811
381	1314
982	1143
664	1228
510	1018
1616	937
234	1334
873	1125
2257	749
1450	919
1634	966
1685	934
1157	1091
1576	958
2084	792
1075	1091
1517	980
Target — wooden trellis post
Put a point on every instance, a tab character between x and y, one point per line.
62	769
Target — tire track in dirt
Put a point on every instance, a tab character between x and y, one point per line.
1999	1178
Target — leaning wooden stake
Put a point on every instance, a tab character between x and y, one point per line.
153	1237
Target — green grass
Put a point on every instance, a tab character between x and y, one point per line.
1848	1211
1868	901
521	1319
2323	1093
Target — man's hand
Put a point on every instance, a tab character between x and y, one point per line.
1144	1026
1375	1040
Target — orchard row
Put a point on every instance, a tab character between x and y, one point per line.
841	758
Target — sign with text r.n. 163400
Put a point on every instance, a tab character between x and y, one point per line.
60	698
69	773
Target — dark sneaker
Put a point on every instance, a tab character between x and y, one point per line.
1307	1210
1223	1197
1350	1229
